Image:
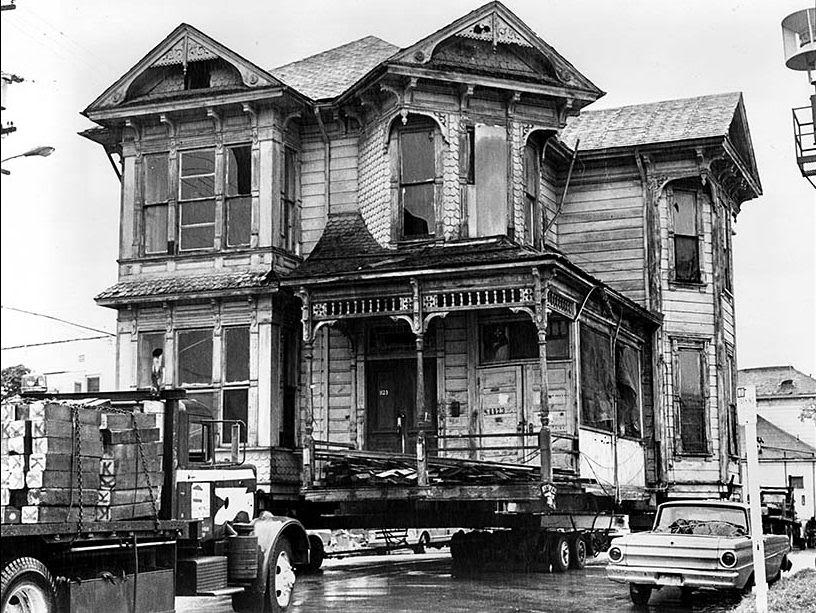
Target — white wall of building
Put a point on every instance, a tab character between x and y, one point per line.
777	473
785	413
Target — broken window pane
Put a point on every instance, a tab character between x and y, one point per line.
692	401
418	210
686	259
239	214
685	213
417	156
151	359
470	157
194	356
235	407
628	391
155	178
597	385
155	228
239	171
236	354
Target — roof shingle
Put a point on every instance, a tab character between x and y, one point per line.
172	286
330	73
656	122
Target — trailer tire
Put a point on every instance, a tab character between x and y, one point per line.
578	552
27	583
560	553
281	577
317	553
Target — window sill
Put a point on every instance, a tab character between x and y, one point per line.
200	254
688	285
683	455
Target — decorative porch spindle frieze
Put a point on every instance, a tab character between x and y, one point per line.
560	304
362	307
478	298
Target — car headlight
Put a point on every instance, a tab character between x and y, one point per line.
615	554
728	559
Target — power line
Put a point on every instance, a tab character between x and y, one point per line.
67	340
64	321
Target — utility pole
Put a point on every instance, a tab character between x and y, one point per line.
746	412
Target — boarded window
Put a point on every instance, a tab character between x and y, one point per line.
508	340
686	240
597	384
235	407
627	376
197	204
236	354
692	401
417	175
491	180
194	357
151	359
238	196
289	200
558	340
155	203
531	180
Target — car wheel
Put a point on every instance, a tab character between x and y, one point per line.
26	586
559	553
640	593
578	552
281	582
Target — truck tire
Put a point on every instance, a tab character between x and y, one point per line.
281	577
317	553
578	552
27	586
559	552
640	594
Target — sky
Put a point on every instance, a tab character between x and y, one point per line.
60	214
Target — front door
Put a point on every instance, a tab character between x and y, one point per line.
392	422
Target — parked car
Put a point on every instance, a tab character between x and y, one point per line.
692	545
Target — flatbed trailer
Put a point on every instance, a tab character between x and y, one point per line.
189	545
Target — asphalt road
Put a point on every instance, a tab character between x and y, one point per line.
412	583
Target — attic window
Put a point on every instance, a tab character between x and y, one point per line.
786	383
197	75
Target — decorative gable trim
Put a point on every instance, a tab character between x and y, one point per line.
184	45
496	24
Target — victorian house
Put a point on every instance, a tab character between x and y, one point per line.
434	252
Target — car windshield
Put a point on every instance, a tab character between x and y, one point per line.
702	520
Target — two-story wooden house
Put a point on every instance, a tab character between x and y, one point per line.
377	250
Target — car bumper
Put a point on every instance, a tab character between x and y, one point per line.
682	577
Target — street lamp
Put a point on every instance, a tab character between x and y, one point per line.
40	151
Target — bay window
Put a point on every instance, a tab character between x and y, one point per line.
289	200
686	227
154	204
690	395
238	196
531	181
197	200
417	179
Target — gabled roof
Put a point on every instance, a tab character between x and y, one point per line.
778	444
197	286
184	44
330	73
778	381
655	122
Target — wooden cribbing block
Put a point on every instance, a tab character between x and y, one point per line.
131	451
55	515
5	496
12	481
125	511
8	412
52	411
51	445
124	437
61	497
107	498
113	467
62	429
130	480
62	479
10	515
124	421
17	444
56	461
13	428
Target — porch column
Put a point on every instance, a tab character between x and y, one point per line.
544	436
422	456
307	442
353	390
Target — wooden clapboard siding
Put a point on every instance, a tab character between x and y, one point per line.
343	169
313	185
456	382
601	230
729	322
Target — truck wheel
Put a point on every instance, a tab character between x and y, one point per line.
317	553
559	553
578	552
281	583
26	586
640	594
422	543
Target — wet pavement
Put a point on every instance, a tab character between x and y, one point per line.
412	583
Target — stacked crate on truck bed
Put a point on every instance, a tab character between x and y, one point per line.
65	462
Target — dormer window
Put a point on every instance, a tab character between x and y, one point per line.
417	179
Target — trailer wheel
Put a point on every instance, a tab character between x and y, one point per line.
26	586
317	553
281	583
578	552
640	594
559	553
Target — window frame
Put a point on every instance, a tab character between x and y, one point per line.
289	197
531	199
142	334
151	204
230	198
700	346
699	203
730	383
182	201
237	385
421	125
